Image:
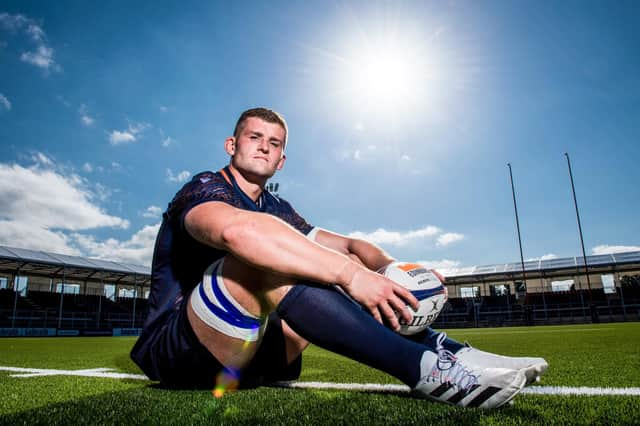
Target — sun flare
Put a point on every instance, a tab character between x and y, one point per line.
388	76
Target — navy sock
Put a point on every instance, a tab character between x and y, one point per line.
331	320
428	338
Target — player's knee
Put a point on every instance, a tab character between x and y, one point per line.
219	308
235	298
256	289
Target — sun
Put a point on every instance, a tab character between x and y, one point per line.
385	76
386	72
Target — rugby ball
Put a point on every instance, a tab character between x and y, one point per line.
426	286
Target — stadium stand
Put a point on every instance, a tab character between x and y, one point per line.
70	293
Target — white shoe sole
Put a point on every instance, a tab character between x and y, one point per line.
508	394
487	398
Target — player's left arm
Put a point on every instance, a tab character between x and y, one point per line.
361	251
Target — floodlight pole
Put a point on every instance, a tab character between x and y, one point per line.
515	207
64	278
100	300
16	284
594	313
135	294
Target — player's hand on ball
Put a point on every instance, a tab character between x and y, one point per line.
383	297
426	285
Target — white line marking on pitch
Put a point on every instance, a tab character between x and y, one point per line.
367	387
483	332
582	390
94	372
532	390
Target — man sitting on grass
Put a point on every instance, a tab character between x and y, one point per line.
241	283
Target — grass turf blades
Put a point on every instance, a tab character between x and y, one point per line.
581	355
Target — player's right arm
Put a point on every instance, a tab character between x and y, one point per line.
267	242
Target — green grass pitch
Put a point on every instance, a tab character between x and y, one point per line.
604	355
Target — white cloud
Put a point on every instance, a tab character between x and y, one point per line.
36	33
395	238
41	159
40	205
117	137
405	157
132	134
87	167
547	256
443	266
86	119
13	22
52	201
42	55
180	178
25	235
163	108
4	103
102	192
51	214
607	249
166	140
137	128
152	212
449	238
138	249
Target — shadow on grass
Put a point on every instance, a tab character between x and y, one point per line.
152	405
125	364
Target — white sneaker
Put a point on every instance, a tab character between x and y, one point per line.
532	368
446	378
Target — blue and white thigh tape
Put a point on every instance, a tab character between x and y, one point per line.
213	304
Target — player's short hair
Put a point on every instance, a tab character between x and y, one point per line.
265	114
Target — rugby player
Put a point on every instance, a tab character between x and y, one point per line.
241	284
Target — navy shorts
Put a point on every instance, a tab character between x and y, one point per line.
172	354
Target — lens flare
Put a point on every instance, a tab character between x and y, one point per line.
228	380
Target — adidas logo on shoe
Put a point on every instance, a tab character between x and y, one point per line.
446	378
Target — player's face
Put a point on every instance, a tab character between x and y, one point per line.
257	152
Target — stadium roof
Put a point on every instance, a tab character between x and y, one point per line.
76	267
548	265
72	267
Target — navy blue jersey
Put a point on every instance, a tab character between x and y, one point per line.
179	261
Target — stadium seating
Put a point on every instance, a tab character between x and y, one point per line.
42	309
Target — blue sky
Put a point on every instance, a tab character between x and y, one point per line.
402	115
